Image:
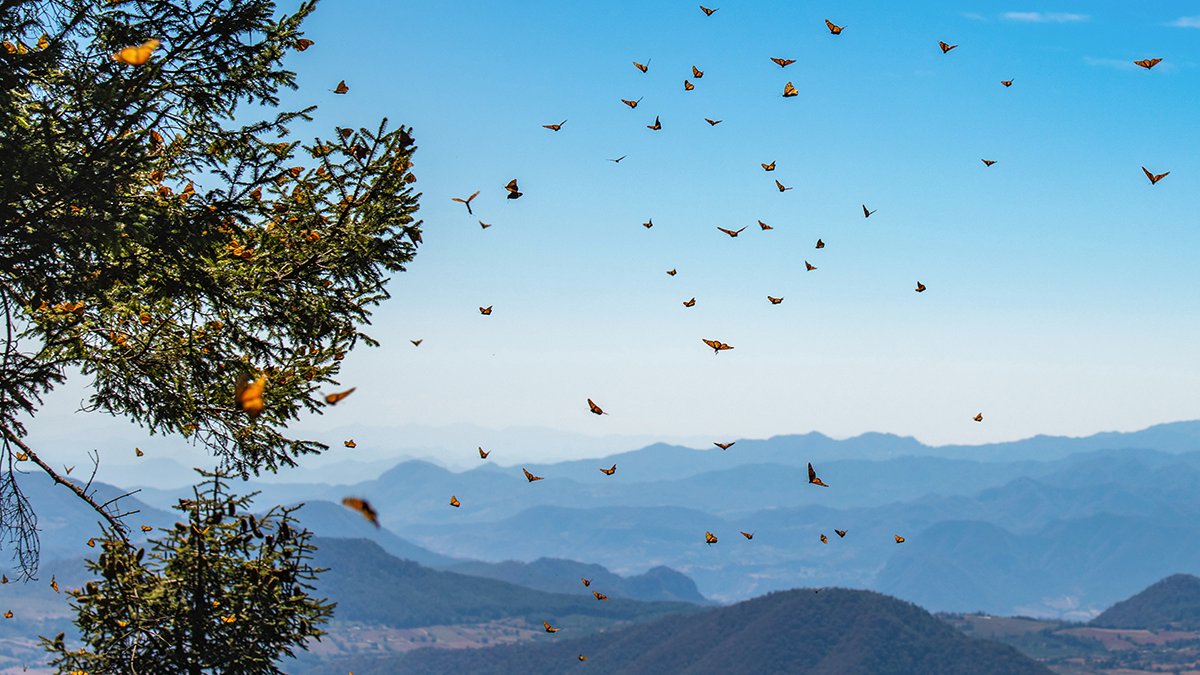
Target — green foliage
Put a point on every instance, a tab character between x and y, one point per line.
222	592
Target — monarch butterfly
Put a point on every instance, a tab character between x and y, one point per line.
1148	63
841	533
586	582
732	233
21	457
486	311
595	408
582	657
774	301
332	399
764	225
513	190
532	477
697	73
247	395
200	531
483	455
484	225
54	584
548	628
748	535
1154	178
710	538
988	162
688	86
454	501
899	539
812	476
363	507
136	56
690	303
229	619
618	160
717	345
256	194
138	452
671	272
609	472
824	540
8	614
945	47
631	104
350	443
789	90
341	88
642	67
555	127
707	11
820	244
68	469
648	224
866	213
466	201
599	595
712	122
303	44
724	446
783	63
978	418
1007	83
417	343
769	167
656	126
920	287
781	187
90	542
834	29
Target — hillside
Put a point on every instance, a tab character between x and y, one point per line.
373	587
836	631
1170	604
556	575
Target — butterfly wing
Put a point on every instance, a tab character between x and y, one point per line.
840	533
332	399
363	507
899	539
454	501
341	88
697	73
748	535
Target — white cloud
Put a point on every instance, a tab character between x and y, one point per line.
974	16
1186	22
1046	17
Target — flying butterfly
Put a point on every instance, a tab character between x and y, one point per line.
808	266
136	56
717	345
812	476
834	29
642	67
724	446
764	225
332	399
988	162
54	584
841	533
247	395
21	457
1154	178
1148	63
483	455
555	127
820	244
783	63
513	190
350	443
866	213
138	452
454	501
824	539
789	90
532	477
1007	83
710	538
688	86
586	582
599	595
945	47
8	614
363	507
920	287
712	122
748	535
671	272
595	408
486	311
648	224
146	528
769	167
656	126
899	539
774	301
781	187
631	104
549	629
417	343
707	11
466	201
618	160
582	657
609	472
303	44
68	469
696	73
690	303
732	233
978	418
484	225
341	88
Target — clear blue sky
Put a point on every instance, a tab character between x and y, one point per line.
1062	286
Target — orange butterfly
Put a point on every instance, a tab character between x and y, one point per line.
417	343
710	538
717	345
764	225
648	224
363	507
641	67
486	311
732	233
688	86
836	30
824	540
8	614
146	528
820	244
247	395
90	542
332	399
781	187
724	446
350	443
454	501
866	213
988	162
783	63
341	88
978	418
513	190
697	73
532	477
609	472
138	452
690	303
812	476
769	167
582	657
483	455
656	126
789	90
595	408
748	535
54	584
548	628
841	533
484	225
631	104
707	11
555	127
137	56
920	287
1007	83
599	595
586	582
671	272
1154	178
774	301
21	457
899	539
712	122
303	44
945	47
1148	63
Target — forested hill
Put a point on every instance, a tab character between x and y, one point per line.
1170	604
835	631
374	587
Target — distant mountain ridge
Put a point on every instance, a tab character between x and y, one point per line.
1170	604
564	576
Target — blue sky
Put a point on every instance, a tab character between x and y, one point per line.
1062	286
